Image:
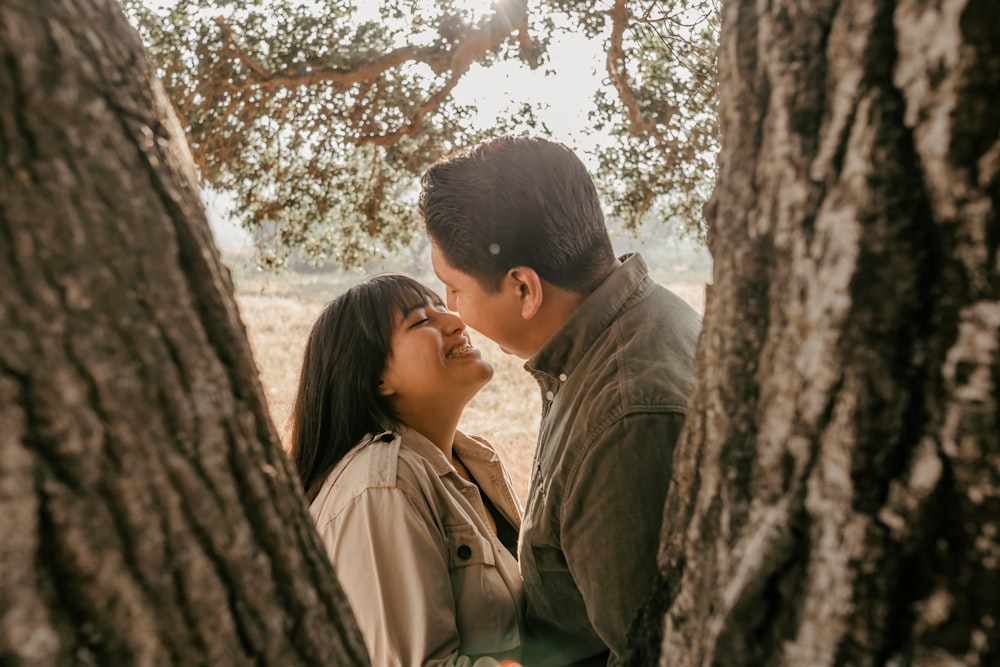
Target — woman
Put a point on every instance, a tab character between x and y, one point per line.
419	519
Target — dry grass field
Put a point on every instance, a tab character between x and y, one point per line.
278	313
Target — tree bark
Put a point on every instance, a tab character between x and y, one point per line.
148	514
836	498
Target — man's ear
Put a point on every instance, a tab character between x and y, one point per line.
528	287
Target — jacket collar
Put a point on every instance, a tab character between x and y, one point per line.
470	449
476	454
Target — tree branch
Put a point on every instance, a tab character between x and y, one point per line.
509	17
640	121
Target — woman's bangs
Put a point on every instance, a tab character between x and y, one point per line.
408	294
389	297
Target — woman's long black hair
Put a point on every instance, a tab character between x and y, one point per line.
338	400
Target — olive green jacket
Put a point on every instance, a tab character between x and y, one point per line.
615	381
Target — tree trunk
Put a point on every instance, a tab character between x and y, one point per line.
148	515
837	488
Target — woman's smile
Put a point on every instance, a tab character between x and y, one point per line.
460	350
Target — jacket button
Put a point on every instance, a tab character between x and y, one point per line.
464	552
387	437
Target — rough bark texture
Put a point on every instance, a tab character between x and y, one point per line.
837	490
148	515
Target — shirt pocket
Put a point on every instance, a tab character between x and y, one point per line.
543	565
485	611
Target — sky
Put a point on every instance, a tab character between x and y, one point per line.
565	99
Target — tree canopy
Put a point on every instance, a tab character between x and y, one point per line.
319	116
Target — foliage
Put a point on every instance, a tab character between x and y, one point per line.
319	116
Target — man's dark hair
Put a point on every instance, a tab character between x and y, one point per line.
515	201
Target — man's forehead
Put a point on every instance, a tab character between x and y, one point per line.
442	267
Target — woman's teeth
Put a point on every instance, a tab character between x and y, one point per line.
459	350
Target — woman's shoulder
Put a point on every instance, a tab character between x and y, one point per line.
369	464
378	462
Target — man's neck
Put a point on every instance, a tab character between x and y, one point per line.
558	306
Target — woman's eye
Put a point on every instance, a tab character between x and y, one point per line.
417	323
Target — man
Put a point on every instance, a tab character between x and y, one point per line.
519	241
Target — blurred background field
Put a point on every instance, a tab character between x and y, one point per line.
279	309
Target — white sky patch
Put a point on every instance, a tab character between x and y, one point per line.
566	93
560	89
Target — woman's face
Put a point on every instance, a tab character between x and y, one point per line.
432	363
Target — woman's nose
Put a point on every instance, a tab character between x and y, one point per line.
452	323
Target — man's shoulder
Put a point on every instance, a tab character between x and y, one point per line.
658	305
648	351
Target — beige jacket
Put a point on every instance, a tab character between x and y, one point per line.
427	578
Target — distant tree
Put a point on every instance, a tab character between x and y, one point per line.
320	116
148	515
836	492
